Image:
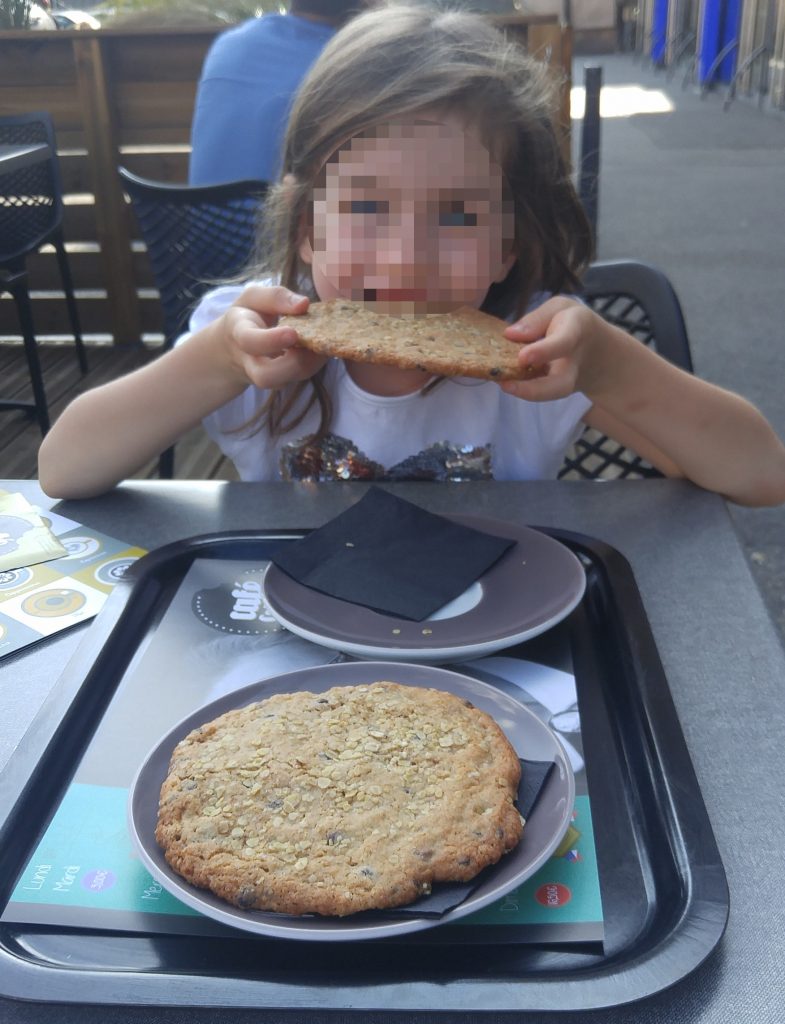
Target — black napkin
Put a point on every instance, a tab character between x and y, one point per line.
448	895
391	556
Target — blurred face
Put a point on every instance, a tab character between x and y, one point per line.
412	218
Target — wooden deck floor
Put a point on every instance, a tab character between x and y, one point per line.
197	457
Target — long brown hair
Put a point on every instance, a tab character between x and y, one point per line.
397	60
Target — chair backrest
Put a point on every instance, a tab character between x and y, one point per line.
196	237
640	299
31	207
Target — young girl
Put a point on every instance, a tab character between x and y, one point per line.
421	173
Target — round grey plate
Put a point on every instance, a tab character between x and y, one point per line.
532	587
530	737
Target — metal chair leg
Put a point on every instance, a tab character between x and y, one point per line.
589	180
73	313
166	465
18	288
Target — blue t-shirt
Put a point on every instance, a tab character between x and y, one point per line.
249	78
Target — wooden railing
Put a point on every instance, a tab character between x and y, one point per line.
126	97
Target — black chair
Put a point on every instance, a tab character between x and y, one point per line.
196	236
31	215
640	299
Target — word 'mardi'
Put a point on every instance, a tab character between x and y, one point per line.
68	876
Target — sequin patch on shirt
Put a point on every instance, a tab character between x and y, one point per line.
337	458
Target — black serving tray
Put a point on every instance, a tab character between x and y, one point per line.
665	896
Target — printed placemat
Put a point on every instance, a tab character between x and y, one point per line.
217	636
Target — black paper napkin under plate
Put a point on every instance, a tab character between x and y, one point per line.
392	556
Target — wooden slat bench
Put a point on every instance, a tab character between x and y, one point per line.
197	457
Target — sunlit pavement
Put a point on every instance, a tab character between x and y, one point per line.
701	193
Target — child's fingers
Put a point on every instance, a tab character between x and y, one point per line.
535	325
272	302
544	336
255	340
533	358
543	388
549	369
270	356
533	372
294	364
550	351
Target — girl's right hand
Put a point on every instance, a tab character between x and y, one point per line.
102	437
264	354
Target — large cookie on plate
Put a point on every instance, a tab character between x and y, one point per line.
354	799
465	343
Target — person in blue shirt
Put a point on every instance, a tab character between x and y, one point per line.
248	80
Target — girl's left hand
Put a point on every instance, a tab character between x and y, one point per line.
558	350
683	425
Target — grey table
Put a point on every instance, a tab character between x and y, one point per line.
721	655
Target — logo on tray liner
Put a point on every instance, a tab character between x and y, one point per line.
80	547
553	894
49	604
12	578
98	880
237	607
112	572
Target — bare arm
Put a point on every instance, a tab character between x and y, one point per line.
683	425
110	432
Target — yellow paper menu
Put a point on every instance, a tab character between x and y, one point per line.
61	589
25	539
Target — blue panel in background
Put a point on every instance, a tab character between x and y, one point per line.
659	31
731	28
719	27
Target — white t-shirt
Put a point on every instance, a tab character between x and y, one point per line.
464	429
